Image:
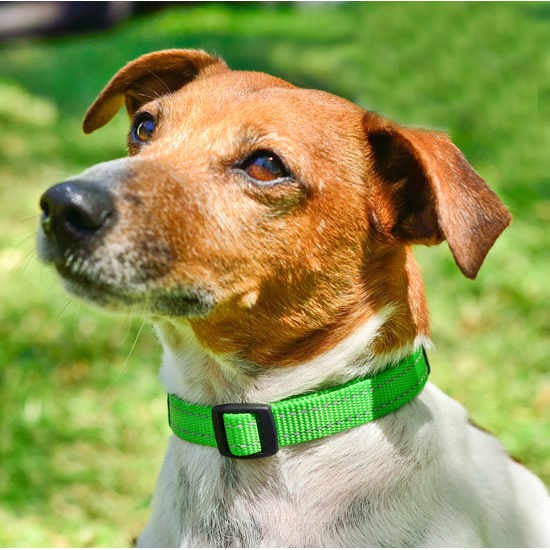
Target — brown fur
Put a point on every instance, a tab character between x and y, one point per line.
294	268
425	192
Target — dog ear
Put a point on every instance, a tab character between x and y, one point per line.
426	192
146	78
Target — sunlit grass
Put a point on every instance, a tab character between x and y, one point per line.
83	427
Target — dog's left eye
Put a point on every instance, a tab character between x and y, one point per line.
264	167
143	128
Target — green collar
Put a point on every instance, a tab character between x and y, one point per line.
254	430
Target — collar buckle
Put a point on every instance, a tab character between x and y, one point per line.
264	421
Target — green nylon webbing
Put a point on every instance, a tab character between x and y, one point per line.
308	416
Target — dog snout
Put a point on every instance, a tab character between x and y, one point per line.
74	212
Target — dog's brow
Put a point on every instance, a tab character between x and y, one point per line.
252	137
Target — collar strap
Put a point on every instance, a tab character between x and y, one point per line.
254	430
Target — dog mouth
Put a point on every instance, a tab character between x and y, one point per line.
89	280
84	285
171	302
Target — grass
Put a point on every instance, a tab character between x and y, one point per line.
83	428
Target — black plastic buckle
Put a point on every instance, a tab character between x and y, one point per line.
264	421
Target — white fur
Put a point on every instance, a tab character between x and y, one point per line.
421	476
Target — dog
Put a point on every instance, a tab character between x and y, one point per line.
267	230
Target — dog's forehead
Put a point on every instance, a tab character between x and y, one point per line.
240	98
249	85
240	82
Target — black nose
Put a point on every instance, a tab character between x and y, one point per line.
75	211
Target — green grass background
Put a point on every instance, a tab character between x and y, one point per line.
82	416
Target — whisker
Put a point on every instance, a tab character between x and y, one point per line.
29	257
167	88
128	320
33	217
132	348
149	97
62	311
30	235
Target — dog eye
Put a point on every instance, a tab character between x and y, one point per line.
143	128
265	167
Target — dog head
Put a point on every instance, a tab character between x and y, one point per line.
265	215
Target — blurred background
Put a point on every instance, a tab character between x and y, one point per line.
82	416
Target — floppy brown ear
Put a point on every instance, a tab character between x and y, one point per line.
425	192
145	78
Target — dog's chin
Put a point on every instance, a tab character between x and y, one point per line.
95	292
178	302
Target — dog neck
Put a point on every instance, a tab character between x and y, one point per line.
194	373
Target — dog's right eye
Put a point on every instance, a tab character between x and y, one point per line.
264	167
143	128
